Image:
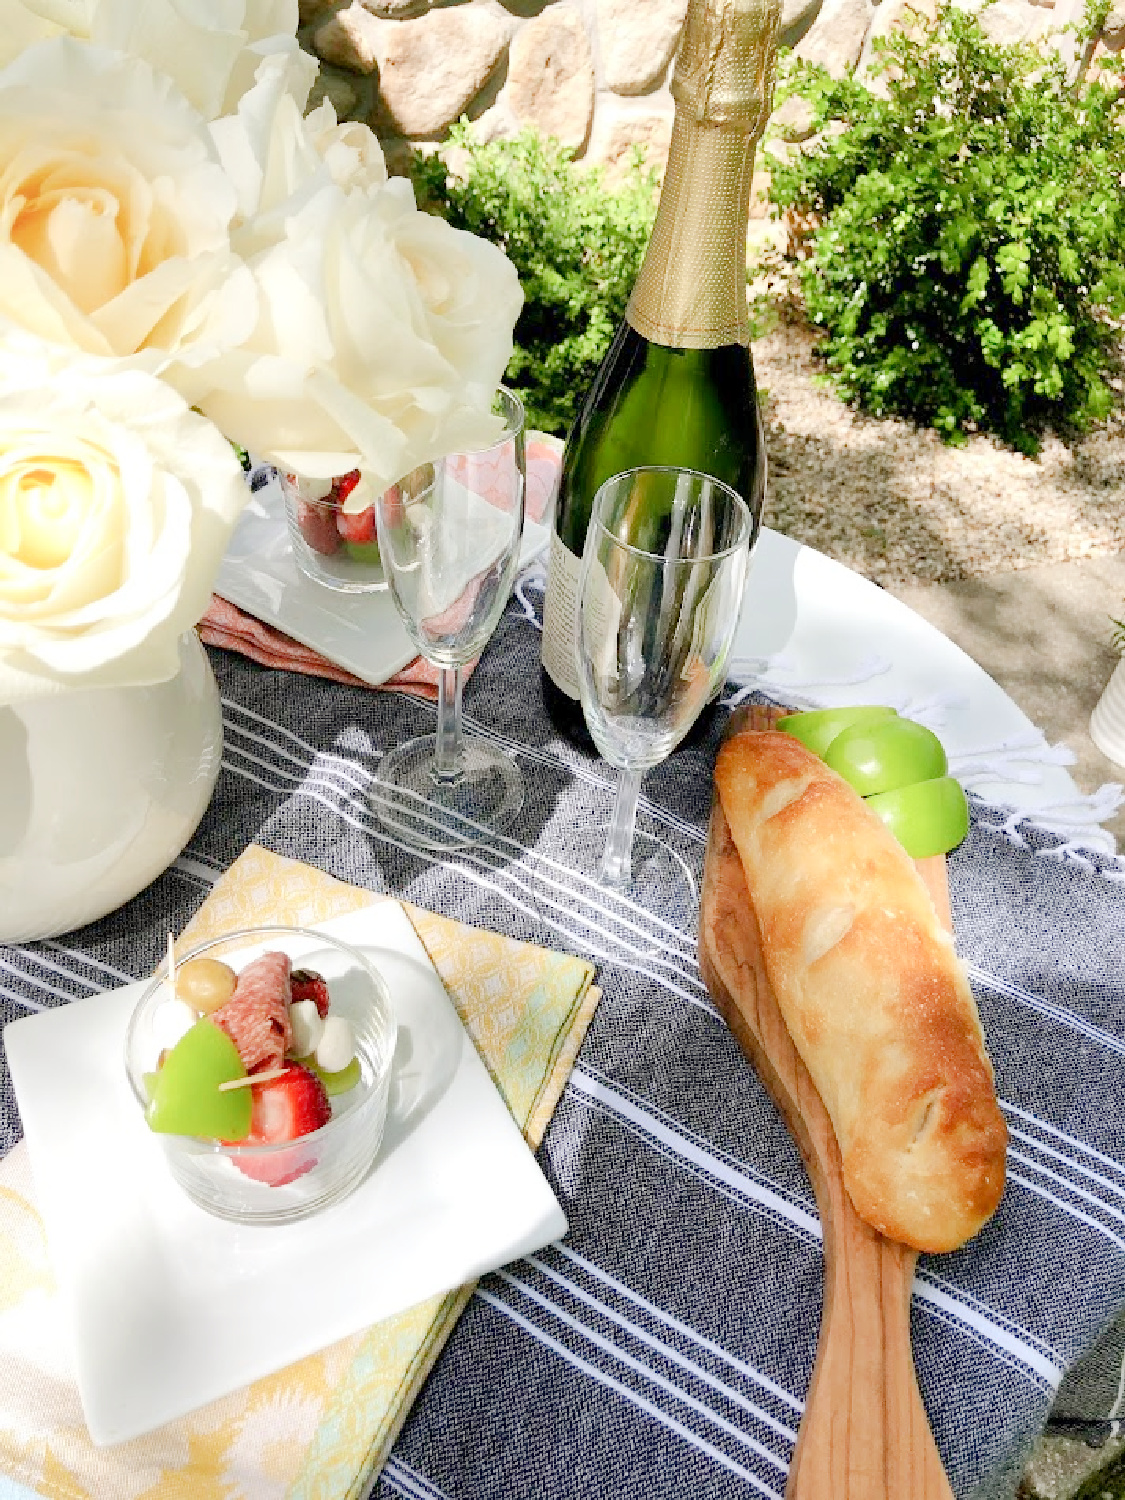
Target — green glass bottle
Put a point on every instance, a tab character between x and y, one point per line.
677	384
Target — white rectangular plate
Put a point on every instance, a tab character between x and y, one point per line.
360	632
171	1308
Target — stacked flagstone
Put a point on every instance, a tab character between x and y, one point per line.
592	73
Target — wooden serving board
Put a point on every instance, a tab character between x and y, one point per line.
864	1434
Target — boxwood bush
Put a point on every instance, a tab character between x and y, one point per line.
969	264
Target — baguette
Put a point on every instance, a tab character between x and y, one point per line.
877	1004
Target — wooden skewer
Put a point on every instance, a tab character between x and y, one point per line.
244	1083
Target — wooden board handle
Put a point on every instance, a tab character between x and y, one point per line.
864	1434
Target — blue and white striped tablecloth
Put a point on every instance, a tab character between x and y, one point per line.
663	1350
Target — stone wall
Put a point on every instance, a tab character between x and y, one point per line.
593	73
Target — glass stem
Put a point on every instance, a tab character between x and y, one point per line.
616	866
449	752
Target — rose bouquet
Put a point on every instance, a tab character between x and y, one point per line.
177	231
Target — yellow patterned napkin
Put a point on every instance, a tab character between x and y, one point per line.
322	1428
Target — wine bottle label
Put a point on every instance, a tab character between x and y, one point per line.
559	608
601	621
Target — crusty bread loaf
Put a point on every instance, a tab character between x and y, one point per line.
875	1000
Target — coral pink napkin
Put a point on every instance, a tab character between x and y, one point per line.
225	625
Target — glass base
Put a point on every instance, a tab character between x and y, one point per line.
661	883
429	814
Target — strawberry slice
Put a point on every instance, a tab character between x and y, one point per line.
343	485
316	521
284	1109
309	985
357	528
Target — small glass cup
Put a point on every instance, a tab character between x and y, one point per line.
337	549
325	1165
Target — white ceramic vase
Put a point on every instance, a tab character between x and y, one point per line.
100	790
1107	722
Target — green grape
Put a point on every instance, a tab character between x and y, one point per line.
335	1083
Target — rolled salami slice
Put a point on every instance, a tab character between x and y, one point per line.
256	1017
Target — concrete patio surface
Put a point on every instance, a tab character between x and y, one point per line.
1044	635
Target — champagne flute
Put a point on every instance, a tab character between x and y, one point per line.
659	595
449	539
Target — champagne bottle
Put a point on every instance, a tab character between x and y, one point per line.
677	384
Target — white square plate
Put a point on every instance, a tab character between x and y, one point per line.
360	632
171	1308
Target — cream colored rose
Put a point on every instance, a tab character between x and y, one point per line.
350	151
468	300
114	212
381	332
275	157
272	154
25	22
116	505
210	49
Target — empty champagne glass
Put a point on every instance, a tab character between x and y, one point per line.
659	595
449	539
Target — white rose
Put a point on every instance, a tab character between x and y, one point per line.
25	22
116	505
353	364
468	295
276	158
114	212
350	151
211	49
271	152
382	333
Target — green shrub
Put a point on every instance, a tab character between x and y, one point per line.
969	264
576	244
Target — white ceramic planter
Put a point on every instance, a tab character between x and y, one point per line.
99	792
1107	722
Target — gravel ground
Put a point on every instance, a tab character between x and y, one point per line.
896	504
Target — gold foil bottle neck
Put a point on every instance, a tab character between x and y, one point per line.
691	290
727	63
